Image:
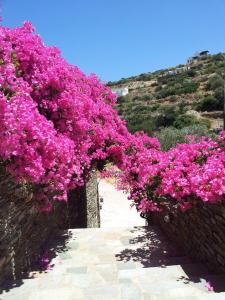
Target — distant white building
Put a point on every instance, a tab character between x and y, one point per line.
121	91
175	71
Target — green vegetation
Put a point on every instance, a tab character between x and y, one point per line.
177	88
171	136
215	82
166	96
185	121
210	103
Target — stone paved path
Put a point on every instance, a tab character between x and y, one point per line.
116	210
112	263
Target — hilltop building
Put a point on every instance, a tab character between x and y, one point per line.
196	56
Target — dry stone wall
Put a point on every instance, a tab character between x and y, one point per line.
200	232
24	231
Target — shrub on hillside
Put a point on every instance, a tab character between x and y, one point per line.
210	68
209	103
219	95
140	109
144	77
205	122
182	106
158	88
177	88
122	99
167	116
147	97
188	87
165	92
218	57
172	98
142	123
171	136
221	64
191	73
215	82
155	107
184	120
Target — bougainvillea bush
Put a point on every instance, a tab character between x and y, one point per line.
182	176
56	124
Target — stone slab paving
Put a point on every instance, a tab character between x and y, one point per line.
114	263
121	260
116	210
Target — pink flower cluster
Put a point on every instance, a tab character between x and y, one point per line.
56	124
181	176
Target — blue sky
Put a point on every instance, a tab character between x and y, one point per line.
121	38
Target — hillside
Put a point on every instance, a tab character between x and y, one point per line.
179	96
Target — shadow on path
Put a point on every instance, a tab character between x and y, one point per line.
151	249
57	244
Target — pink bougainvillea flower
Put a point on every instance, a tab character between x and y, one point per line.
209	287
56	124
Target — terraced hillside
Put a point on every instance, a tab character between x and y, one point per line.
179	97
